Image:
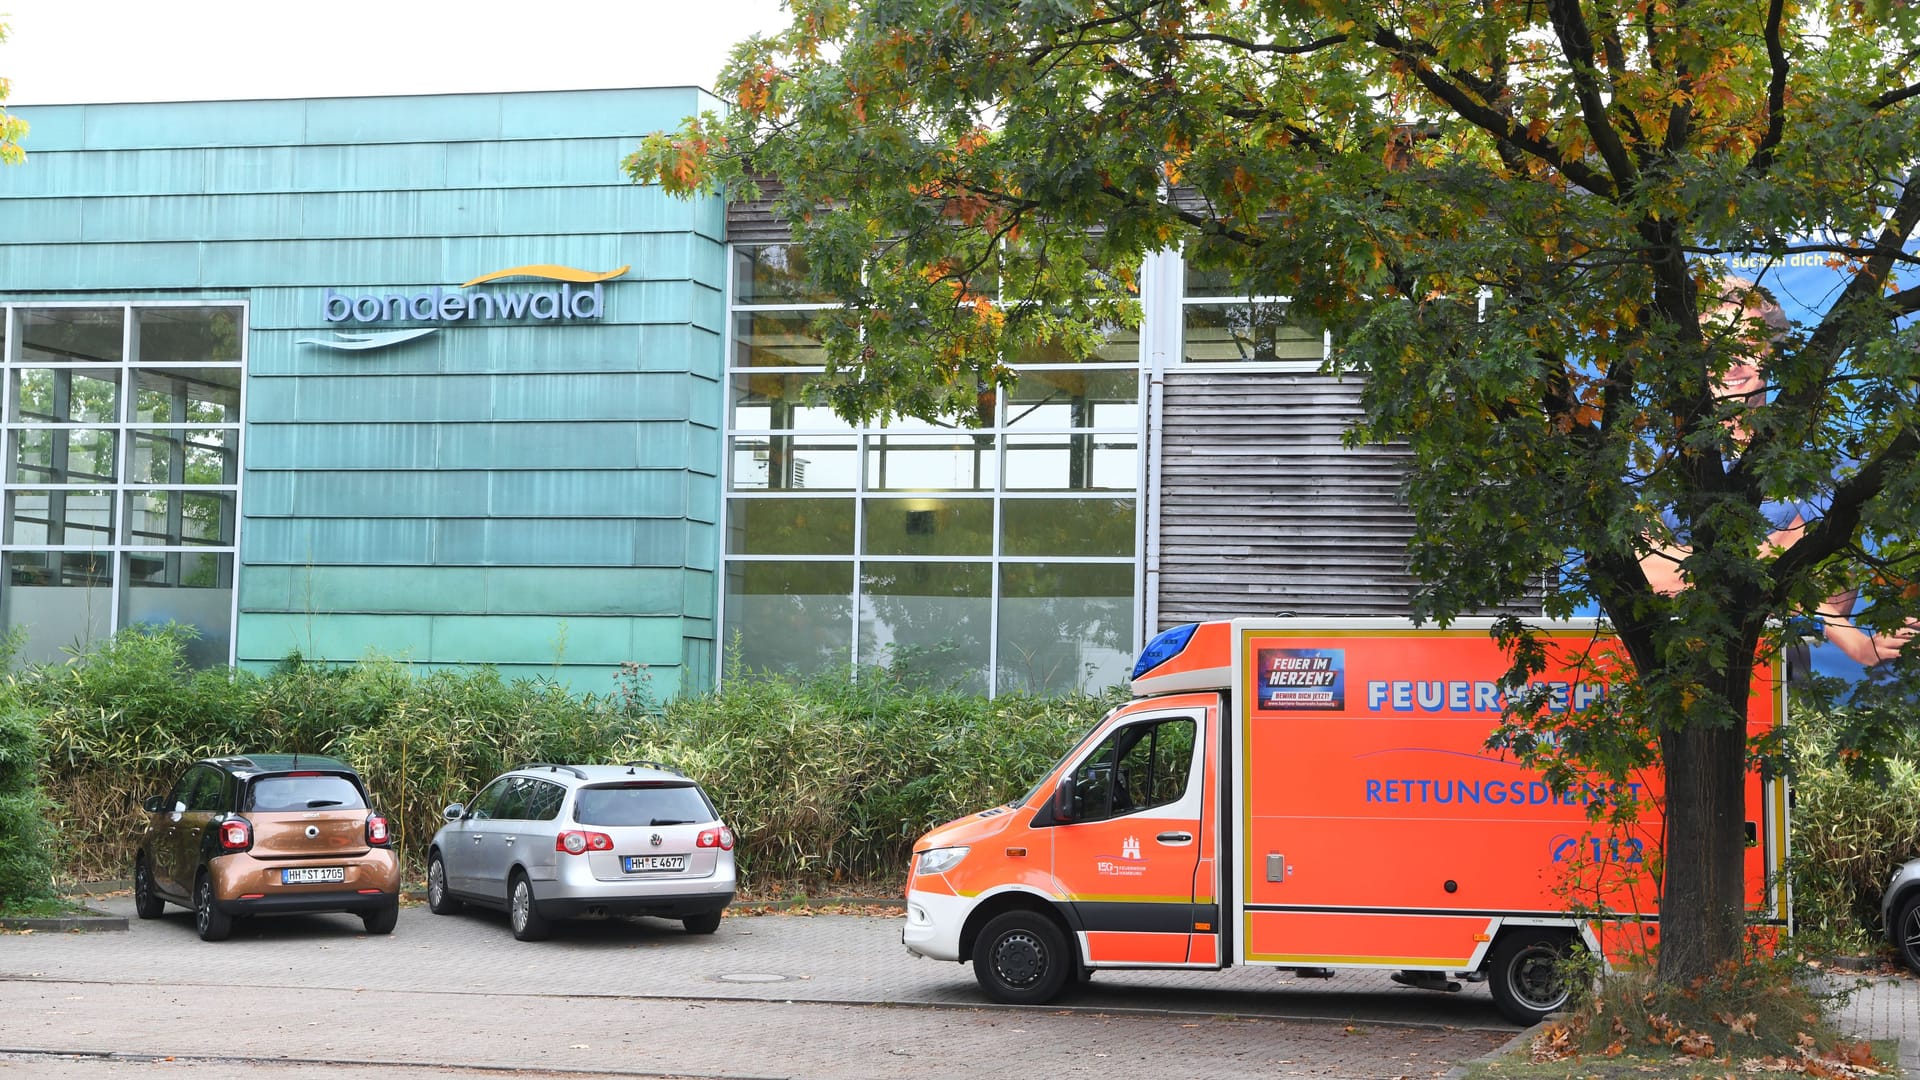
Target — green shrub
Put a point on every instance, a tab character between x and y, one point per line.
26	854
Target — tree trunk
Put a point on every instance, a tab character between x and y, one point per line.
1703	901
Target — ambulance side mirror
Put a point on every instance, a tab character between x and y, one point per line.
1064	808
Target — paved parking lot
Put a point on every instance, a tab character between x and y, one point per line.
767	996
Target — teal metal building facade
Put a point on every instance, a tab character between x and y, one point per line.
250	384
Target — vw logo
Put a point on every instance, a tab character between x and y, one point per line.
655	840
313	831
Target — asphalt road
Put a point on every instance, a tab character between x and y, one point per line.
819	996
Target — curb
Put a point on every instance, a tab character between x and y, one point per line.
1524	1037
66	924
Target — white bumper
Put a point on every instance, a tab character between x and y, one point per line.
933	924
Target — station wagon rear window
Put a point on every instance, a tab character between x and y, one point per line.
314	792
641	804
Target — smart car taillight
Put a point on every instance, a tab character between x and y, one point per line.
236	834
573	842
721	838
377	835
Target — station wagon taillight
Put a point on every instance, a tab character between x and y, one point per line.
377	835
236	834
721	838
574	841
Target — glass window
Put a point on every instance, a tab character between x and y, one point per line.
1122	346
772	274
70	335
208	792
543	800
513	799
789	616
188	335
61	455
642	803
175	518
1067	527
186	395
930	462
1137	767
1257	332
285	793
191	588
63	599
929	527
772	400
794	462
184	456
1064	627
790	526
1074	462
929	619
484	804
777	339
59	518
65	396
1075	398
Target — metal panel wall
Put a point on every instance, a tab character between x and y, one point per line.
541	497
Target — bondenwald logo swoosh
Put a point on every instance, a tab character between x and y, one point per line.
358	342
550	272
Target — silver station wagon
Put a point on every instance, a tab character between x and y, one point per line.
546	842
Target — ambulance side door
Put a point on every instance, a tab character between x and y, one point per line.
1126	820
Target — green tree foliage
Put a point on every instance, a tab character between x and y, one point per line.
1517	218
26	854
12	128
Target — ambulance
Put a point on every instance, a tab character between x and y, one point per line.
1315	796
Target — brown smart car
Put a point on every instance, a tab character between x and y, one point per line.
266	834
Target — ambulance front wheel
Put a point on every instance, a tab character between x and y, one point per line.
1021	958
1528	975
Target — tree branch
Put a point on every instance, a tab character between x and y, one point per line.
1577	42
1762	159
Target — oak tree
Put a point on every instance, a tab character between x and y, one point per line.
1540	231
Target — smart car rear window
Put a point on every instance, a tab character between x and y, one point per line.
641	804
316	792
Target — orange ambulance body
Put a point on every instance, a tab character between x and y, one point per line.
1313	794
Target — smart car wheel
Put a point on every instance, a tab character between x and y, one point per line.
212	923
1021	958
523	914
381	920
146	902
1526	975
439	900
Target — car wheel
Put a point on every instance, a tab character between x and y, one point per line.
523	913
1526	975
439	900
212	923
1021	958
705	923
1906	934
381	920
146	902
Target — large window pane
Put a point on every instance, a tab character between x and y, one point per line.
1077	462
175	518
61	455
193	588
929	527
86	335
1122	346
772	274
63	599
794	462
1064	627
1256	333
59	518
789	616
65	395
790	526
1067	527
186	395
187	335
185	456
776	339
929	619
930	462
1075	398
773	400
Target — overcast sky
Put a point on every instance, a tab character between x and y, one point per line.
73	51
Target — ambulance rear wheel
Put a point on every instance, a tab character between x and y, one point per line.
1527	973
1021	958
